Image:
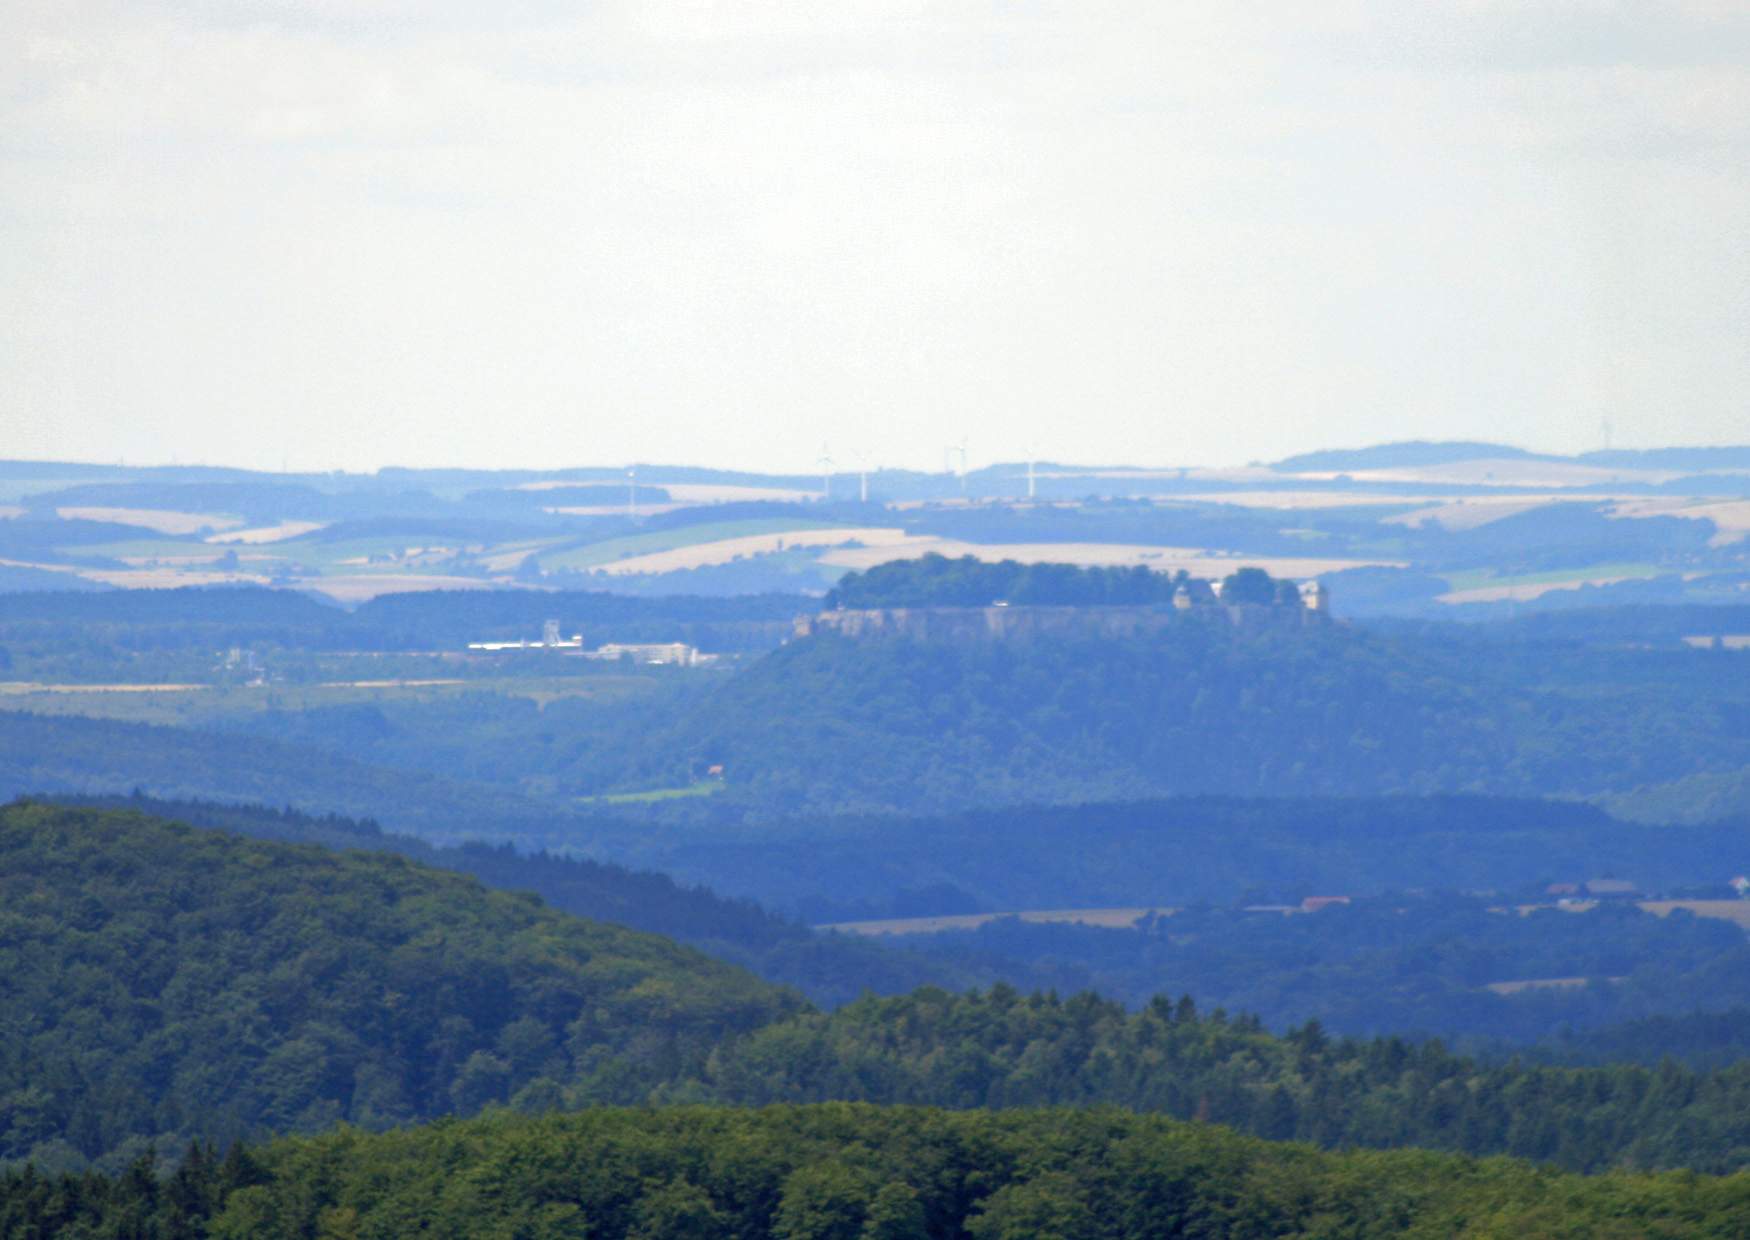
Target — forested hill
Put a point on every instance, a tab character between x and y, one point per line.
831	723
841	1172
829	969
937	581
158	982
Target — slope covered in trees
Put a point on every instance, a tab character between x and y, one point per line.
830	722
829	969
843	1172
937	581
158	982
1004	1049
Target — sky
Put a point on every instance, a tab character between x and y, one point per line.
342	234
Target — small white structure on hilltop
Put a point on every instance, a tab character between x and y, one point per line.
1314	596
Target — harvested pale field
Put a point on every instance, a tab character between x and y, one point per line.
1731	517
8	511
367	586
1106	918
1291	500
714	493
617	510
505	557
268	533
1540	983
1502	472
1196	561
161	520
389	684
15	688
47	568
168	578
724	550
682	493
1475	511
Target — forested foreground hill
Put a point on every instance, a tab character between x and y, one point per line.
829	969
842	1172
833	723
159	982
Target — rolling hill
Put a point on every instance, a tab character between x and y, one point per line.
159	982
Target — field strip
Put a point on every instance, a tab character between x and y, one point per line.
1731	517
162	520
1530	590
1541	983
683	493
268	533
1291	500
1107	918
1500	472
725	550
357	589
22	687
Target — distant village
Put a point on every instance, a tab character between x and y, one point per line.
673	654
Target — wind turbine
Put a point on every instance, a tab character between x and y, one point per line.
632	493
825	464
862	473
961	449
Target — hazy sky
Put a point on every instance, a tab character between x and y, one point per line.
348	233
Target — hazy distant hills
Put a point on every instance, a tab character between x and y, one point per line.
1448	452
1433	527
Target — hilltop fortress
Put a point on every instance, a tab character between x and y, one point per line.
1003	621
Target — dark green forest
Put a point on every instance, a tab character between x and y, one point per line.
1389	963
845	1172
161	983
1201	708
937	581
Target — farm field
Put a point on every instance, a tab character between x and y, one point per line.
194	704
609	551
1106	918
727	550
1484	587
161	520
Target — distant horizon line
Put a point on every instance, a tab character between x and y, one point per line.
1512	451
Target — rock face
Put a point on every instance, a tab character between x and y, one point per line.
1014	623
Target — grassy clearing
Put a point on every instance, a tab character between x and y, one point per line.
1483	578
704	788
198	705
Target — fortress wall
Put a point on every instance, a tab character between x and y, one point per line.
1012	623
